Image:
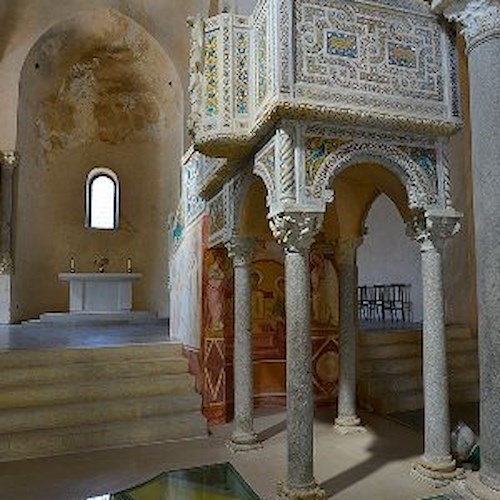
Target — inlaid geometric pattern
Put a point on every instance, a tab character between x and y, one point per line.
349	49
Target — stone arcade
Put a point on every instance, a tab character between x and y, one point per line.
294	117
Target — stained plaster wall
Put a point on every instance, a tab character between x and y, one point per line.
387	255
25	21
97	91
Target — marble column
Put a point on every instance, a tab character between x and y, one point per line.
347	420
295	232
480	22
8	162
243	438
437	465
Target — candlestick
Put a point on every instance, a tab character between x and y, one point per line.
129	265
72	264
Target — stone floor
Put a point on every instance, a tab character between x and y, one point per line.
370	466
36	336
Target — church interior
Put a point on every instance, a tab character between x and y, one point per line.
249	249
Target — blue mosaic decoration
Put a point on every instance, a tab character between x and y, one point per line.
341	44
425	158
402	55
177	232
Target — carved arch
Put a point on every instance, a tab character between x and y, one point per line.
421	192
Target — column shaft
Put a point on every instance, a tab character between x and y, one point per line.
484	71
243	437
243	367
435	370
300	403
347	347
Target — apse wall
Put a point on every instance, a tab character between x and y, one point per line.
387	255
95	91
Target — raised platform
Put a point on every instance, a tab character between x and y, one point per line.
68	389
37	335
92	318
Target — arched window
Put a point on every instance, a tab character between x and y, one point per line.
102	199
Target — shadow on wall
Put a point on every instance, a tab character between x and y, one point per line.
9	13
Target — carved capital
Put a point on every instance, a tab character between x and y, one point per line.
345	251
433	227
480	19
9	159
295	231
241	250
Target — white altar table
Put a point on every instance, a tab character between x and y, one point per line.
100	292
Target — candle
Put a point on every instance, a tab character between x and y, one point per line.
129	265
72	264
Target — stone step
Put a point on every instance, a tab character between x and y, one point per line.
63	393
90	319
396	402
380	384
413	364
49	417
409	336
33	357
90	370
407	350
49	442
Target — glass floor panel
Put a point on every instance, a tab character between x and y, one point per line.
210	482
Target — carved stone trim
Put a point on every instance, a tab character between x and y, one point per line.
287	139
433	227
241	250
295	231
420	191
480	19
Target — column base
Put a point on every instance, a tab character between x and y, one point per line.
348	425
243	442
437	474
313	492
474	489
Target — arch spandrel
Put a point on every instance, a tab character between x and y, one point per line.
420	186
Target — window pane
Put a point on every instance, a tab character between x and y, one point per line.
102	203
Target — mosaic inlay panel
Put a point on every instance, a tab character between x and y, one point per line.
193	202
402	55
217	214
211	73
242	47
261	55
367	54
341	44
424	157
317	150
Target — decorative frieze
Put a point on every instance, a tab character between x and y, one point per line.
366	63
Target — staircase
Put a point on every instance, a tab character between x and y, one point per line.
68	400
390	369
